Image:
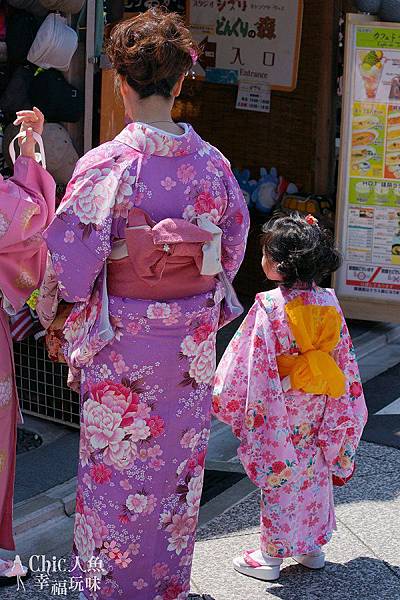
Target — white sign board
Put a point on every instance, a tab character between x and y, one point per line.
368	213
256	39
253	96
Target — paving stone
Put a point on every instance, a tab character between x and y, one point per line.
362	559
373	459
352	571
373	514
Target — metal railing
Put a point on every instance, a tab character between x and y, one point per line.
42	384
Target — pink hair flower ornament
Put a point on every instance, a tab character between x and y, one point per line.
194	56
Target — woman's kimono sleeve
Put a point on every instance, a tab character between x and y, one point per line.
26	202
248	396
79	238
235	227
345	417
26	208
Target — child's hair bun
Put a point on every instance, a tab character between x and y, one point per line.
302	250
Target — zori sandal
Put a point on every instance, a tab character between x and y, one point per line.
246	565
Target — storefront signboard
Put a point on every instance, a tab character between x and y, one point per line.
259	39
368	207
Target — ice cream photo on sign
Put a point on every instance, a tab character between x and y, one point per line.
371	69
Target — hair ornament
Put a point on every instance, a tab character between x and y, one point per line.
311	220
194	56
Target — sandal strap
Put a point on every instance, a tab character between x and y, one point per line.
250	561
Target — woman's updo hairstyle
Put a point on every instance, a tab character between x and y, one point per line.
152	50
303	251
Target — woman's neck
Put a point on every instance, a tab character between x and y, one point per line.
155	111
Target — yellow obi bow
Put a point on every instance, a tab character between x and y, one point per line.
316	330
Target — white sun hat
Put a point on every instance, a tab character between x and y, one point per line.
54	45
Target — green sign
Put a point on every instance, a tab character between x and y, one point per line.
378	37
374	192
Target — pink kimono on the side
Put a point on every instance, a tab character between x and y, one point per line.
291	442
26	208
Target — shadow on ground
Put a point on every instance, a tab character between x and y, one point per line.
362	578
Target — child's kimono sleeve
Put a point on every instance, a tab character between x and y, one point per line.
345	417
235	227
79	238
248	396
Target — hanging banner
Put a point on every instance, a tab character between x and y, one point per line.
368	211
248	39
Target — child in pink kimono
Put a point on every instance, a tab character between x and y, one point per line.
290	388
26	208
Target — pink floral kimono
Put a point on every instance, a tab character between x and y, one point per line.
145	366
291	442
26	208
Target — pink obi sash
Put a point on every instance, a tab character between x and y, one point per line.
165	260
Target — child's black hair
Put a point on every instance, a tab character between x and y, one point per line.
302	251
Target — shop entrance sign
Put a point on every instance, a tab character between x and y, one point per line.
248	39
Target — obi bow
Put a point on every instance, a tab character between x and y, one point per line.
173	256
316	330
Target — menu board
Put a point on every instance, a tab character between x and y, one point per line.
368	219
248	39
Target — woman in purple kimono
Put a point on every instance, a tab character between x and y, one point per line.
26	208
158	213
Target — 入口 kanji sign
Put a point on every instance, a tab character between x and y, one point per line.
259	39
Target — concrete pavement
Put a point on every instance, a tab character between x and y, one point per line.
363	559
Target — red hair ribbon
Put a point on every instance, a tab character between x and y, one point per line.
311	220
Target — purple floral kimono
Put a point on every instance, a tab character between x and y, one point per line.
146	385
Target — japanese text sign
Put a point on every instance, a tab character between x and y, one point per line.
259	39
368	225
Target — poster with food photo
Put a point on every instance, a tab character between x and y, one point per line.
368	219
377	75
392	156
374	192
368	139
